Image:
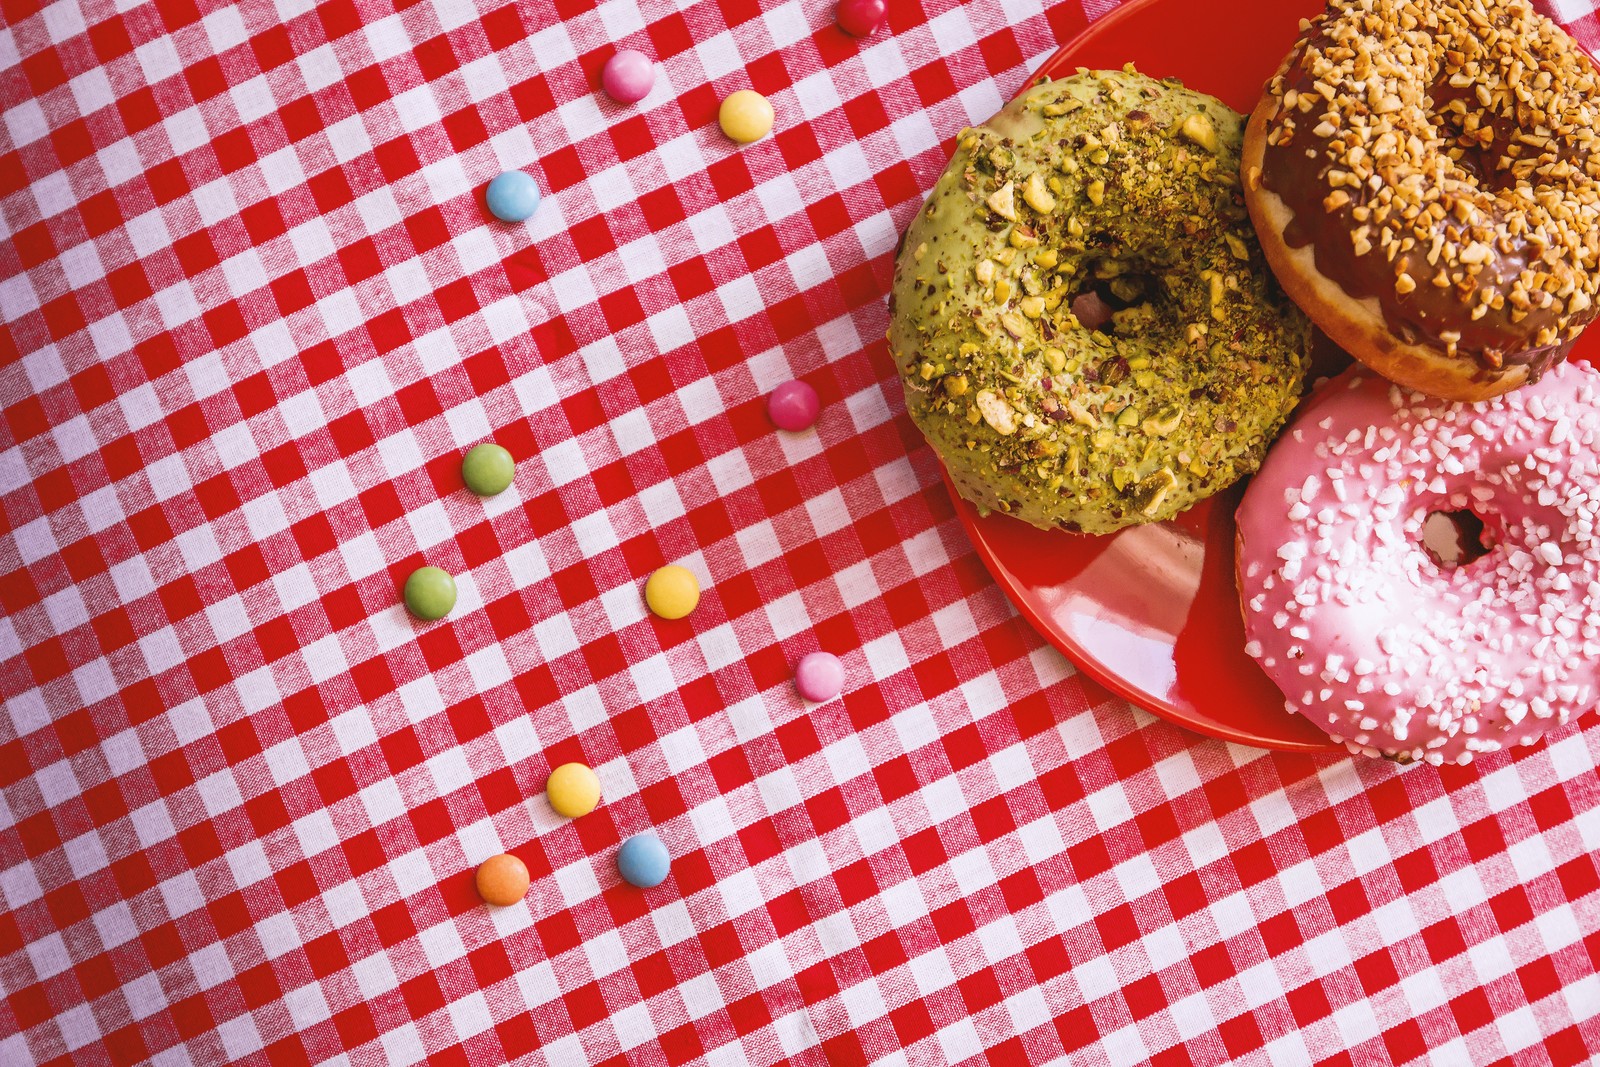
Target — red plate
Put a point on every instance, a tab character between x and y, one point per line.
1151	612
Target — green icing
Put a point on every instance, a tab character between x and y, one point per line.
1112	182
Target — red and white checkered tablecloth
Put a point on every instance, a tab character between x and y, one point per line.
253	312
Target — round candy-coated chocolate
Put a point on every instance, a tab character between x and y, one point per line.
793	406
488	469
430	593
859	18
643	861
512	196
502	880
628	76
819	676
672	592
573	790
746	116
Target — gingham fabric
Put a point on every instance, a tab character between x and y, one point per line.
254	313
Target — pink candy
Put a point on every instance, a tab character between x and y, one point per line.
793	406
819	676
628	76
859	18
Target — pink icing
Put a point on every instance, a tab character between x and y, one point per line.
1365	632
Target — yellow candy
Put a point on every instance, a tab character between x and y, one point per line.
672	592
746	116
573	790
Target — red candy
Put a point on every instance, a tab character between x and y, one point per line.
859	18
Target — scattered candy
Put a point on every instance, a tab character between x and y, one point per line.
628	76
819	676
746	116
643	861
793	406
430	593
672	592
488	469
573	790
859	18
512	196
502	880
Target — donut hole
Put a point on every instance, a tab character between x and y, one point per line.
1109	286
1474	140
1454	538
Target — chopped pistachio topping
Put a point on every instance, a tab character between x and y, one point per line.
1004	202
1199	129
1037	196
1117	198
996	412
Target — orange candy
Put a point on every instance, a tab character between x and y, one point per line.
502	880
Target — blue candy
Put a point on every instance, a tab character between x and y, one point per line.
643	861
512	197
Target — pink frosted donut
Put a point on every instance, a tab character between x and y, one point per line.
1370	635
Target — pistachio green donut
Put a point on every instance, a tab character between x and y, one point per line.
1113	183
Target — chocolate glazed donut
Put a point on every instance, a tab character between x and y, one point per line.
1423	178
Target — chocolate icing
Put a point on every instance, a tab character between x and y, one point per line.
1297	168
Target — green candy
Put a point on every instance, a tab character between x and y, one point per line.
430	593
488	469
